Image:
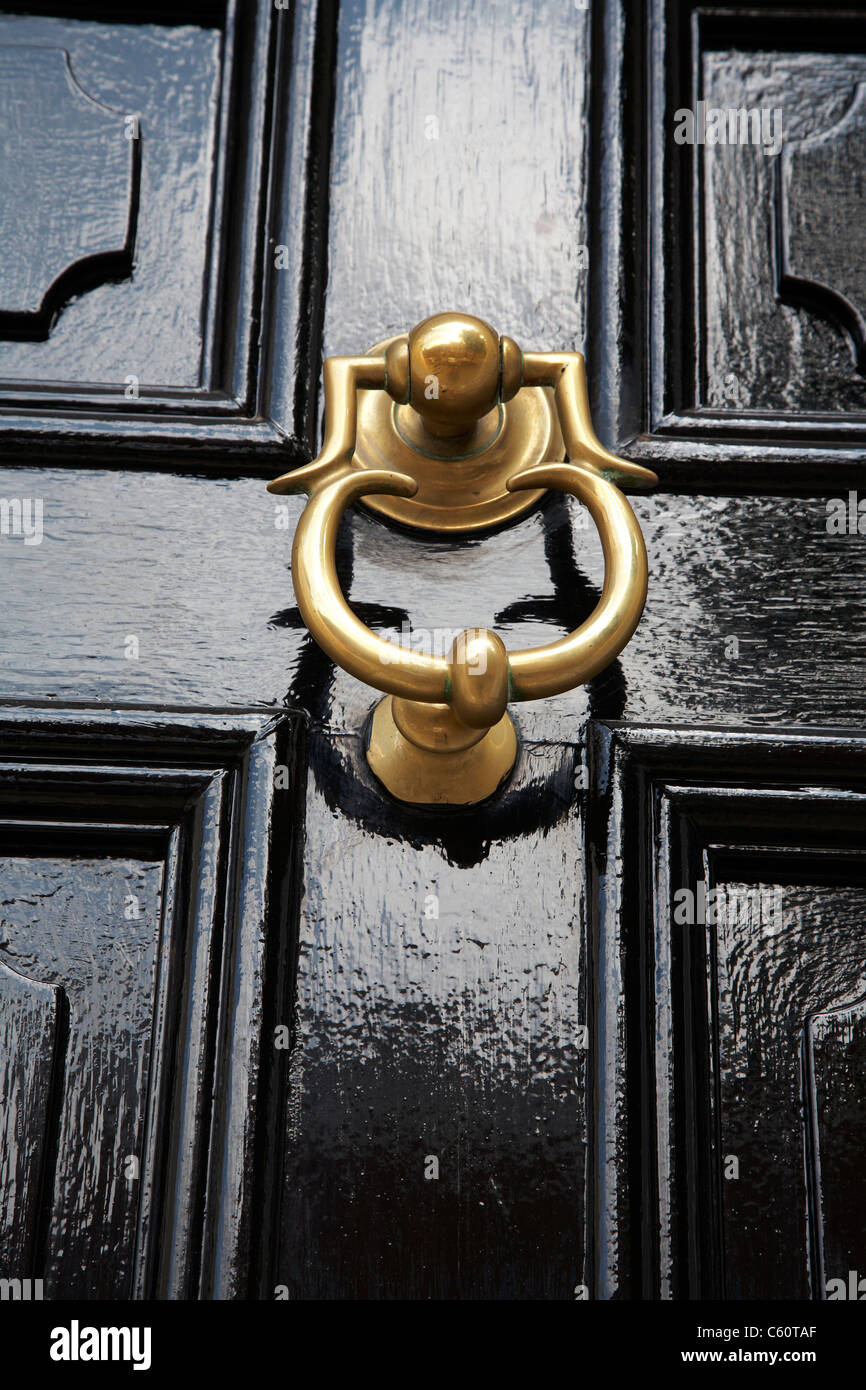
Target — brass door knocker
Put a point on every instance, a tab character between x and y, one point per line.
451	428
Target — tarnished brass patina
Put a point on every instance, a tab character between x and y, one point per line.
452	428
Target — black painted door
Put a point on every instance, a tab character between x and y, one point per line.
263	1032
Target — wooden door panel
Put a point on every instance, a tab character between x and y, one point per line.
33	1019
72	186
434	221
138	890
437	1103
67	923
782	222
750	382
835	1071
148	346
739	930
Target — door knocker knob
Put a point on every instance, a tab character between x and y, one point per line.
452	428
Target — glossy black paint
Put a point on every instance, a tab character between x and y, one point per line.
705	374
187	326
144	956
705	1033
70	205
436	972
815	268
